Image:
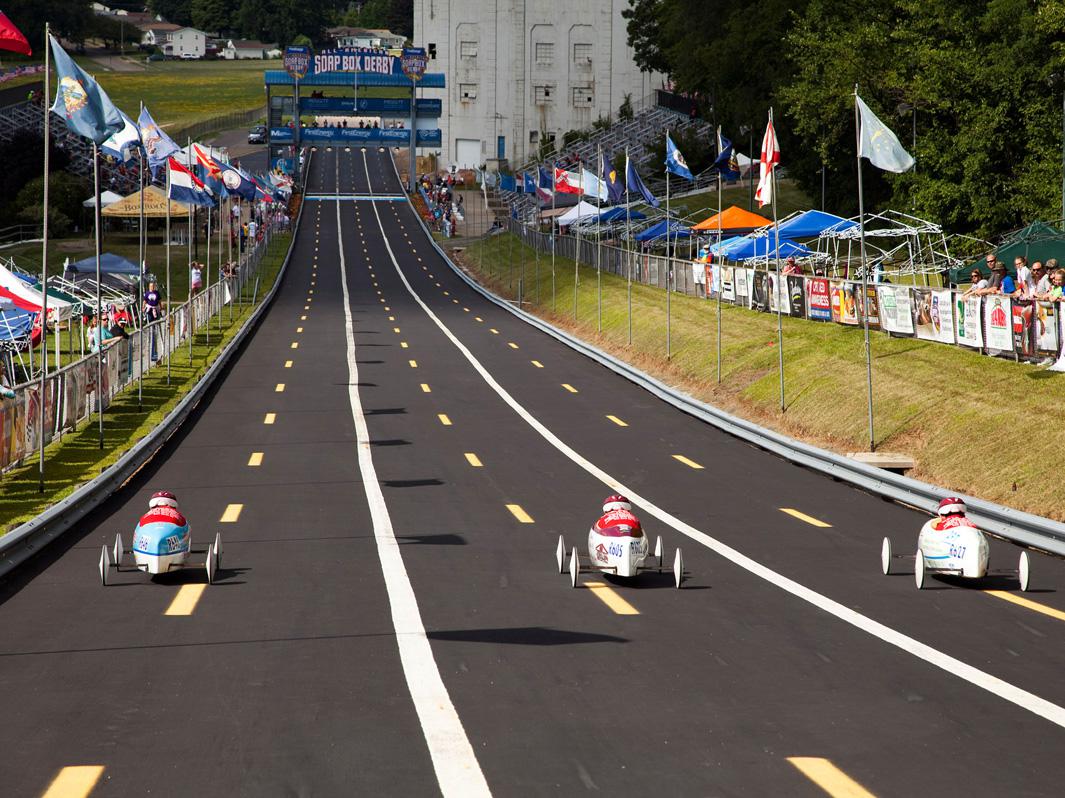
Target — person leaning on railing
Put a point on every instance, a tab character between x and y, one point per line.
1057	285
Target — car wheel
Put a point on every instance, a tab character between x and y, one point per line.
1024	571
918	569
885	556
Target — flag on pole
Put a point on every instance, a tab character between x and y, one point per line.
123	145
546	181
675	162
727	164
11	38
157	145
87	109
635	184
591	185
770	159
614	189
879	144
567	182
185	187
530	183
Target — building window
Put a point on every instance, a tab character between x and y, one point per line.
467	49
583	97
544	95
582	53
467	92
545	53
534	136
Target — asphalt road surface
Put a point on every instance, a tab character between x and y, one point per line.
391	461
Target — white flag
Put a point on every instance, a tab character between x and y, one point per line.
879	144
591	185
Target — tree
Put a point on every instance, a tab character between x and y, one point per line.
177	11
65	195
22	159
215	16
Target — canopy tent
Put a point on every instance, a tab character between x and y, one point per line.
15	325
620	215
810	224
582	210
109	264
764	247
106	198
732	220
154	205
1037	241
722	248
658	230
28	297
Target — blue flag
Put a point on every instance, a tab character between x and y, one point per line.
675	162
507	183
157	145
726	163
87	109
123	145
614	189
530	184
546	179
634	183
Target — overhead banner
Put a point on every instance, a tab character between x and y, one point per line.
998	324
968	321
895	309
818	299
373	62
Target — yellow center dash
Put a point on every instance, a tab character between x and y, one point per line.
76	781
690	463
610	597
519	513
809	519
617	421
186	599
829	777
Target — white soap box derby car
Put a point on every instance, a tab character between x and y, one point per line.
617	545
951	545
162	542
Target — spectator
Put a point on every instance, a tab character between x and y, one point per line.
977	283
1006	285
792	266
1057	285
195	278
1023	273
150	310
1038	285
995	279
5	390
97	335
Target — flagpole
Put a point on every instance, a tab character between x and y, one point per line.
717	266
865	278
99	302
207	276
218	266
669	271
192	232
229	246
554	192
577	239
776	229
169	321
599	245
628	243
142	248
44	258
536	247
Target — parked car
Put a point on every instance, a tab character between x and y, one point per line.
189	57
257	135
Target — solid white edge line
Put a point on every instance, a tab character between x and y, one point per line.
457	771
993	684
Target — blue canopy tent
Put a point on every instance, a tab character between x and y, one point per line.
15	327
658	231
619	215
722	248
765	248
109	264
810	224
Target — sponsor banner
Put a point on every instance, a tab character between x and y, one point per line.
796	297
845	302
743	286
760	290
1047	327
933	314
297	60
818	299
1022	312
871	308
371	106
375	62
728	286
895	312
7	424
356	135
998	324
968	321
413	62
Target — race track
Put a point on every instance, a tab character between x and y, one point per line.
389	619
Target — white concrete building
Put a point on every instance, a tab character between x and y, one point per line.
186	41
521	70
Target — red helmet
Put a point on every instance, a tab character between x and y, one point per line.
163	498
952	506
616	502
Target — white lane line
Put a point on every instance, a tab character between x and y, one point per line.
952	665
457	771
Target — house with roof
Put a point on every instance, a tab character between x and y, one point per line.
239	49
156	34
377	38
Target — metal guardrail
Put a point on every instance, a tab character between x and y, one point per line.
29	538
1019	527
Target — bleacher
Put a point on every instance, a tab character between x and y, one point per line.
27	115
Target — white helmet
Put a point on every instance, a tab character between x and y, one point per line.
162	499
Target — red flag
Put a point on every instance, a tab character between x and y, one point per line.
770	159
567	182
11	38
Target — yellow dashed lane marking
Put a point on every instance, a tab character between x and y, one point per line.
569	387
299	330
231	514
295	345
186	599
1034	606
395	329
391	318
302	318
610	597
493	330
473	460
478	318
690	463
256	459
426	388
804	517
537	363
444	419
829	777
270	418
413	364
279	388
288	364
512	345
75	781
520	514
402	344
617	421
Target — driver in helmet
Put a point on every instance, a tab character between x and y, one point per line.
951	514
617	518
163	507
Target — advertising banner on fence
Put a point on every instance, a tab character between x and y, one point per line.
818	299
760	290
778	292
1047	329
997	323
845	298
968	321
8	411
728	286
895	309
871	307
933	315
796	298
1023	339
743	286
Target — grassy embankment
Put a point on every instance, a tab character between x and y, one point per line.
964	417
77	457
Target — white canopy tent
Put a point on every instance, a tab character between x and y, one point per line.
106	198
582	210
24	291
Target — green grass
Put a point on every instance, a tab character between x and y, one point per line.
958	413
77	456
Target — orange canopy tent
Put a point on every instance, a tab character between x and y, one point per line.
733	220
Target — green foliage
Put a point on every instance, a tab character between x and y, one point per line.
69	19
394	15
22	160
699	152
625	112
215	16
177	11
65	195
572	137
602	123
